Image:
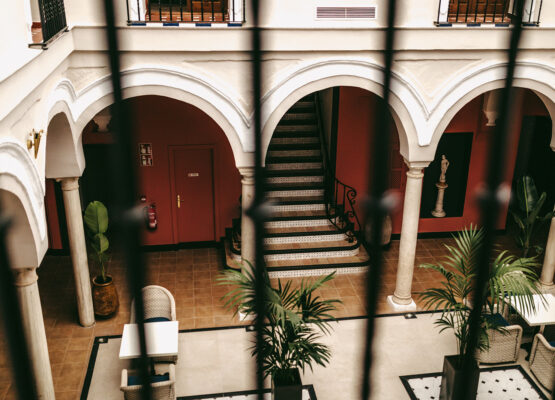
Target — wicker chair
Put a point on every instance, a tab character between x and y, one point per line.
503	346
164	390
158	303
542	361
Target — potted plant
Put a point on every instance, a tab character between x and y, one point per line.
105	295
527	216
509	276
295	316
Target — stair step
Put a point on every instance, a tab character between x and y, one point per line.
277	248
312	253
293	146
303	116
295	172
293	153
298	207
295	140
298	128
326	264
321	237
302	105
295	179
294	159
292	166
291	192
270	187
301	230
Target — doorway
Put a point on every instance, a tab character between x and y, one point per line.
192	172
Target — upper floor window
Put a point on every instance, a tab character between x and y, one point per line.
477	12
47	20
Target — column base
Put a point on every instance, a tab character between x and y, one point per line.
549	288
401	307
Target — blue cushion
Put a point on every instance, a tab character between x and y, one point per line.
156	319
136	380
496	319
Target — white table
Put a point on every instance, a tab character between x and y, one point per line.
544	314
161	340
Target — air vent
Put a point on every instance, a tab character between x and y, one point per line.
345	12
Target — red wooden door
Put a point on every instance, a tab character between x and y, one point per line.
194	194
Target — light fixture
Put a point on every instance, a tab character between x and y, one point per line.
34	141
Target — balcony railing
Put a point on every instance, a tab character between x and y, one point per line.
174	12
52	18
477	12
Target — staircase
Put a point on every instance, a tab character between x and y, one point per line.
302	238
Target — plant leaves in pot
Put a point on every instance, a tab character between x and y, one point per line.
295	318
105	295
508	276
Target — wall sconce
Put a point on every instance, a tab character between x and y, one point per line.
34	141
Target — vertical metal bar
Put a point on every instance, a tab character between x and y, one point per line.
486	11
11	310
539	12
466	13
138	10
171	9
191	7
149	10
181	10
494	11
202	10
212	2
458	9
490	201
476	12
256	210
375	211
222	10
159	10
128	220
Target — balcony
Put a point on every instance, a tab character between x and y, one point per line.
478	12
52	22
175	12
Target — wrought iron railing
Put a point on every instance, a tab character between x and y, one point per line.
339	198
477	12
129	219
174	12
52	18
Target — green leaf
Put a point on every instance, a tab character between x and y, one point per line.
526	194
96	217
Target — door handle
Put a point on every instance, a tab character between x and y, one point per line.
178	201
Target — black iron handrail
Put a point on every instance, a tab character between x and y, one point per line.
490	12
172	12
339	198
52	18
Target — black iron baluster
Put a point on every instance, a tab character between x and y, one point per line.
539	12
180	10
256	211
159	11
458	9
212	3
375	210
476	13
149	10
222	9
138	10
494	11
11	311
490	201
128	219
171	9
202	10
486	11
191	7
466	13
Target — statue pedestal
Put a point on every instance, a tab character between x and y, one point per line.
438	212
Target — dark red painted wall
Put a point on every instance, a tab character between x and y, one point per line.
52	217
164	122
356	121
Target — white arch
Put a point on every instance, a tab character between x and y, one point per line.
64	152
408	108
214	98
528	75
19	176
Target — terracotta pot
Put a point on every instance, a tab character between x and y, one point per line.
105	297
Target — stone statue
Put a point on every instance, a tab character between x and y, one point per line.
444	166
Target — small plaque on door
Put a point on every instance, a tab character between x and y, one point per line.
192	174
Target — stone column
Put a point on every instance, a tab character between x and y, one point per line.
33	328
548	269
78	249
247	225
409	232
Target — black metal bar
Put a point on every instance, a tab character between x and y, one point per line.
149	10
476	13
191	7
378	180
486	11
222	9
490	201
11	310
212	2
494	11
539	12
466	13
171	9
202	10
181	10
256	211
128	220
439	9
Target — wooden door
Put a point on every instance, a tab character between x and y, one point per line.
193	194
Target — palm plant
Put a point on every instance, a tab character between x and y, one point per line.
509	276
294	317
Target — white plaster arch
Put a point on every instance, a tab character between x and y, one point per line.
407	107
214	98
64	151
25	200
528	75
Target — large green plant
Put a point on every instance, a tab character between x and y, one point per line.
96	223
295	316
508	276
527	217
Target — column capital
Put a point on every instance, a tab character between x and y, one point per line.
416	168
25	276
247	175
69	184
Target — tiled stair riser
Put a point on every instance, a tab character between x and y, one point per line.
299	207
293	153
305	239
317	272
295	193
297	128
299	140
293	166
297	223
311	255
295	179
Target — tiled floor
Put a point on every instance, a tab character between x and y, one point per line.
189	274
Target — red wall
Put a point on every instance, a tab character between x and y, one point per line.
164	122
353	150
52	217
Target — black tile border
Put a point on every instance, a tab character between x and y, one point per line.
405	378
310	389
